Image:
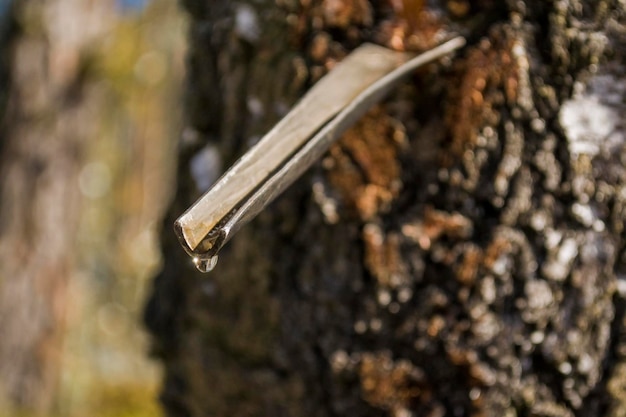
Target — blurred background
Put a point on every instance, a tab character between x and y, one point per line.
90	94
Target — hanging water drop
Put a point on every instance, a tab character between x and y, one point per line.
205	264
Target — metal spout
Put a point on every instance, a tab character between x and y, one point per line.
327	110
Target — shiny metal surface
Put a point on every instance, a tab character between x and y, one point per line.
332	105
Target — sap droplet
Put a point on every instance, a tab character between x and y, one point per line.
205	264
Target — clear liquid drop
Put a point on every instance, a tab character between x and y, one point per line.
205	264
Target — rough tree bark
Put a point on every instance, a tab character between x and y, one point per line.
460	252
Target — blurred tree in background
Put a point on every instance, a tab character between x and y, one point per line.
90	104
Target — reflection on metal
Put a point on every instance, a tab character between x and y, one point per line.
334	104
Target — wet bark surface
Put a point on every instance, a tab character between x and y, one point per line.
459	252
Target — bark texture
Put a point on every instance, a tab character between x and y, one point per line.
459	252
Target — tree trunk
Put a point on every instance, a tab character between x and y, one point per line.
459	252
45	123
